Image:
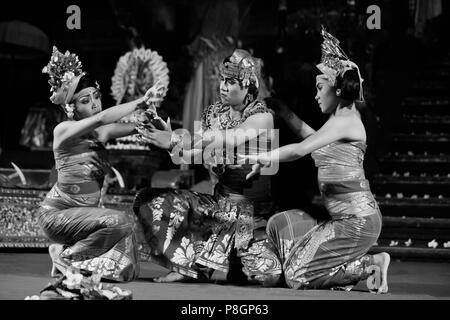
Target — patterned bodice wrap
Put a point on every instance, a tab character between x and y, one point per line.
81	165
340	161
341	179
232	177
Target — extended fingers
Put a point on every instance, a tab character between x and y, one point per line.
144	130
146	135
255	170
242	158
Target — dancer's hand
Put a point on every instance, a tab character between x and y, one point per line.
150	95
158	138
166	125
155	94
261	160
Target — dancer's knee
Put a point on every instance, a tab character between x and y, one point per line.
118	222
275	222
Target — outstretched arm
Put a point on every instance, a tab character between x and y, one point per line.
70	129
115	130
335	129
251	128
248	130
297	125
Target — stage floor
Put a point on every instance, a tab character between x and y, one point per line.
24	274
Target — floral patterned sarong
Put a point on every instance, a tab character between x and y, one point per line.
194	233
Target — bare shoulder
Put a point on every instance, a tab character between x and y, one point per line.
59	133
260	120
349	124
261	116
60	127
348	118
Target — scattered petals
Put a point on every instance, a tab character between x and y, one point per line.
433	244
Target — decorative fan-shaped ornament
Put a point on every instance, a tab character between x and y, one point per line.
136	72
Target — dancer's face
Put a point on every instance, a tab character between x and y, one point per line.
326	95
88	102
231	91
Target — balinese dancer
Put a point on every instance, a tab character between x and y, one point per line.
193	234
333	253
88	238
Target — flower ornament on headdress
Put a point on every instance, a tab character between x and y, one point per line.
335	62
241	66
65	72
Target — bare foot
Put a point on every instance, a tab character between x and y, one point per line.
172	277
377	282
55	250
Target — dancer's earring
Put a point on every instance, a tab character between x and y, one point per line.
338	92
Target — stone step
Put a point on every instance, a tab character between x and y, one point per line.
419	230
420	124
420	105
416	235
402	207
407	242
416	222
416	164
433	88
429	142
418	185
399	207
413	253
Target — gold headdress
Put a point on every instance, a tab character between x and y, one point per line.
335	62
65	72
242	66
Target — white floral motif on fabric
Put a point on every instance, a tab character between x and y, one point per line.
185	254
176	218
214	253
287	246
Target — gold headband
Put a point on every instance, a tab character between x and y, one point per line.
242	66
